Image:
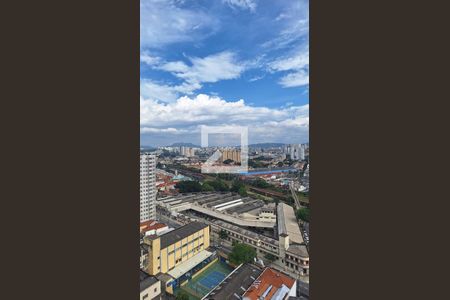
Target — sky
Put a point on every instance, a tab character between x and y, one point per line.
224	63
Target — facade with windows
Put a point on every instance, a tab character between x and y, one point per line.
288	256
150	287
147	187
167	251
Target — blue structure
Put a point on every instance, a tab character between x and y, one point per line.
268	171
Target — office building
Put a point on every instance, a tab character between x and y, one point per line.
147	187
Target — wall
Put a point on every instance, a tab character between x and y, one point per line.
151	292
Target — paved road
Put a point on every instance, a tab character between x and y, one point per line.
295	196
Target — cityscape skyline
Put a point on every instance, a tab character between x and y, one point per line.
242	63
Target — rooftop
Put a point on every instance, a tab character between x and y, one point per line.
270	284
287	223
180	233
151	225
299	250
236	283
146	280
187	265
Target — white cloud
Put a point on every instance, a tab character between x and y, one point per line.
149	59
296	64
242	4
166	93
170	130
293	24
164	22
212	68
186	114
298	61
299	78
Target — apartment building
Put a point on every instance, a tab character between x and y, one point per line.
147	187
234	155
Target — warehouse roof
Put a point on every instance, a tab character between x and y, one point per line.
180	233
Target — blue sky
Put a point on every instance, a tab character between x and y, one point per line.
224	62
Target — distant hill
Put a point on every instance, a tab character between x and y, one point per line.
266	145
147	148
184	145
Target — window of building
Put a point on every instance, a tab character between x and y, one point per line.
145	296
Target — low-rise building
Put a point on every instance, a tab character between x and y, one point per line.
176	256
289	250
150	287
252	282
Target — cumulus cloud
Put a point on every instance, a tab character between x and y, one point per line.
187	114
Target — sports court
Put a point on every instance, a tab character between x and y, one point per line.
207	280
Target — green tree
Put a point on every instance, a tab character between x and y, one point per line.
182	295
270	257
237	184
303	214
223	234
207	188
242	253
261	183
188	186
243	191
218	185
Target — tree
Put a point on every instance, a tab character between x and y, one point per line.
207	188
218	185
237	184
228	161
303	214
223	234
188	186
242	191
261	183
182	295
270	257
280	164
242	253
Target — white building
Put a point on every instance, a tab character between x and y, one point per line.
187	151
295	151
147	187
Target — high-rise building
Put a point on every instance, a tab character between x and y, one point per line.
187	151
147	187
295	151
233	154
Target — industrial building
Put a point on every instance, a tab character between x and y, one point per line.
230	207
